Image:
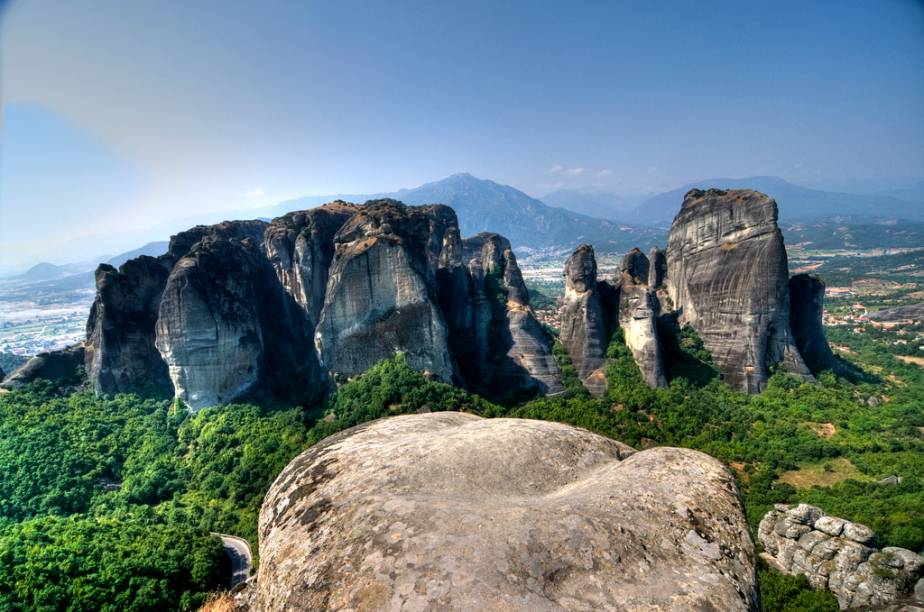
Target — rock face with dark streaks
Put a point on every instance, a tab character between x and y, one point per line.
585	324
382	295
635	266
638	317
728	279
120	351
448	511
300	245
657	270
511	349
839	556
806	301
227	327
65	364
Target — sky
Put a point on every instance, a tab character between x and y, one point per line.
119	116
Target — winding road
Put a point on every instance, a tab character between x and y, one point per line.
238	551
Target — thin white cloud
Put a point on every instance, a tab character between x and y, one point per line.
254	194
556	169
604	173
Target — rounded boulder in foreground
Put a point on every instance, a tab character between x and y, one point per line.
451	511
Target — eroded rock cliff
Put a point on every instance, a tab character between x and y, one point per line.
451	511
120	351
226	326
382	296
728	278
839	556
807	301
512	349
63	365
300	245
586	324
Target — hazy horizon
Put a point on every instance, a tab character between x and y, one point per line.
146	120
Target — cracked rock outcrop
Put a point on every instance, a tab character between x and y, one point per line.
585	322
300	245
839	556
226	327
382	293
728	278
453	512
65	364
512	350
120	352
807	300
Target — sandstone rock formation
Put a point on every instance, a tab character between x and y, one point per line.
120	354
657	270
585	323
451	511
728	278
226	325
382	294
55	365
245	306
513	351
635	266
838	555
638	317
300	245
806	301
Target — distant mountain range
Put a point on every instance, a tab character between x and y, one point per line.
529	223
613	223
45	271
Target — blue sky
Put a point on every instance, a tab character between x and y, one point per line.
122	115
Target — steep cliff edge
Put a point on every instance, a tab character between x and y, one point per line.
120	351
300	245
451	511
512	348
226	326
381	297
585	322
728	278
807	302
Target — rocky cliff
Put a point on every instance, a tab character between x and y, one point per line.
725	274
806	309
300	245
244	306
728	278
382	296
839	556
512	351
120	354
226	327
586	323
451	511
63	365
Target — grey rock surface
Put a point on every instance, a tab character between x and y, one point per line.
515	352
839	556
585	322
120	352
638	317
226	327
728	278
382	295
635	267
448	511
657	270
55	365
300	245
807	301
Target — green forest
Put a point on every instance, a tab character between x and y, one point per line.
109	503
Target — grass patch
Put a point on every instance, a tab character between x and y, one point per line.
824	474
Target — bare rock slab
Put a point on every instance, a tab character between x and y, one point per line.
449	511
